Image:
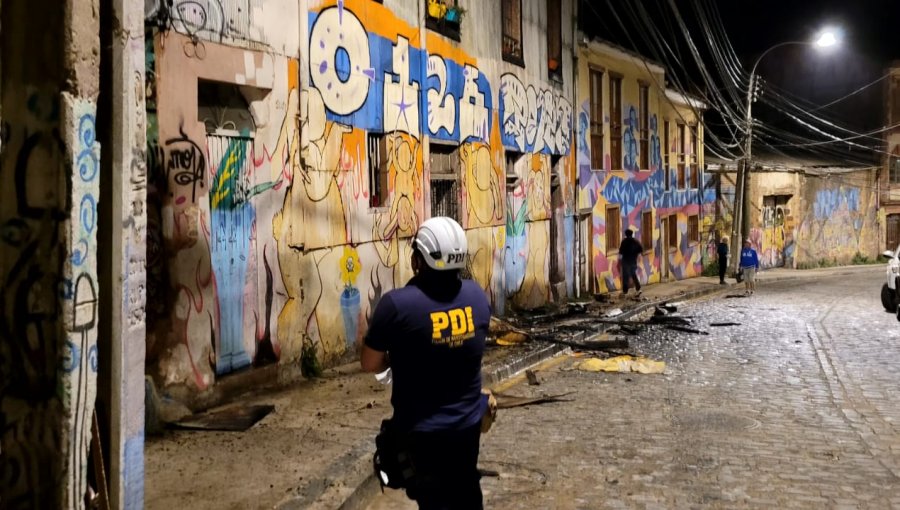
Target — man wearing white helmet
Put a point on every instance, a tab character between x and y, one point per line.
431	334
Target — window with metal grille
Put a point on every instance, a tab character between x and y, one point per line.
596	77
615	123
895	170
511	13
673	231
666	148
647	230
445	181
378	170
554	39
694	229
613	226
645	126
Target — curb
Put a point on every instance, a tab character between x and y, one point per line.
368	487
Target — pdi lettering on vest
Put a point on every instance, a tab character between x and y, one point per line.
458	321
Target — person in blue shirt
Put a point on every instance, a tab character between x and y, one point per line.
431	333
749	267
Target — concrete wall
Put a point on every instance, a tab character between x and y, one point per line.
272	250
49	181
812	220
635	190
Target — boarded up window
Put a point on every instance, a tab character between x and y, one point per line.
596	119
445	181
511	11
893	231
673	231
647	230
694	229
615	120
554	39
645	126
613	225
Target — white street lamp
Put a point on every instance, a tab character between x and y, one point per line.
827	38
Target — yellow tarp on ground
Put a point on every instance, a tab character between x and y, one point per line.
640	365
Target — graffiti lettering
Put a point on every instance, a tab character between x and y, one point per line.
473	106
216	20
339	60
401	98
441	103
532	120
185	164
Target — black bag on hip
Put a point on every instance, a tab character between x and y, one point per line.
392	462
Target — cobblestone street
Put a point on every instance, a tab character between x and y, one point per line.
795	408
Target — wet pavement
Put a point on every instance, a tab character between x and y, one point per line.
795	407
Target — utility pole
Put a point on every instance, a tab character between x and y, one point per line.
742	179
825	39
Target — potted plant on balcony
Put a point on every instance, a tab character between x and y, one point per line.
437	9
455	14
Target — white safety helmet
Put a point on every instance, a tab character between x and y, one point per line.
442	243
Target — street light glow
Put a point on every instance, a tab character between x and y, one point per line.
827	39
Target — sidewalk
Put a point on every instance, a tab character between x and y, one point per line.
314	450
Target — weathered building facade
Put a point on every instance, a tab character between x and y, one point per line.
640	167
889	178
803	214
296	147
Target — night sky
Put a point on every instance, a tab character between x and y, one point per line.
871	40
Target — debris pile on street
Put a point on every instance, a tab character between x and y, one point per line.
625	363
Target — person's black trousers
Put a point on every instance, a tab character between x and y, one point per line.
629	272
446	465
723	263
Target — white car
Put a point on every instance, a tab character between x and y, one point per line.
890	291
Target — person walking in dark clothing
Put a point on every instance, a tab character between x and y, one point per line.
628	253
722	250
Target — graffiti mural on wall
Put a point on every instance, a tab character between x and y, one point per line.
31	290
636	192
838	226
293	235
80	351
534	120
212	20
